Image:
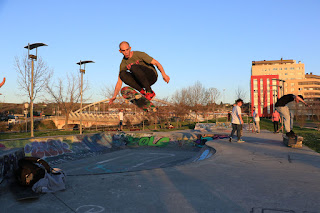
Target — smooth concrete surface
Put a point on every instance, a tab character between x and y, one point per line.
259	176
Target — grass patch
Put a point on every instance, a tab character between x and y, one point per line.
311	137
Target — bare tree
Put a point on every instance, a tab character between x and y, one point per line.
193	97
240	93
107	91
67	94
197	95
32	85
41	75
197	98
213	95
180	105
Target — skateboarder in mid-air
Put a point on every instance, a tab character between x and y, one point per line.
283	109
137	70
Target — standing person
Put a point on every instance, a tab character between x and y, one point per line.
256	120
236	121
229	117
120	120
283	109
137	70
276	119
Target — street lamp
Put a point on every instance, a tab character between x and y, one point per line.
275	93
281	95
96	114
82	71
26	106
279	85
33	58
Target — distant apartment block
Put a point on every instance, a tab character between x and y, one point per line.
272	79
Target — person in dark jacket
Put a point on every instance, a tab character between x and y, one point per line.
283	109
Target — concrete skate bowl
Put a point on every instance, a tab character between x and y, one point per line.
108	153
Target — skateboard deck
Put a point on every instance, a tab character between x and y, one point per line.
23	192
295	142
137	99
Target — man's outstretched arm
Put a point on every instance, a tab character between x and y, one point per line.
116	90
165	77
2	83
300	99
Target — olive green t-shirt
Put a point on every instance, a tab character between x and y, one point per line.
141	57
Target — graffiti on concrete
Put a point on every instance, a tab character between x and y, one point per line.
153	141
9	162
206	154
49	148
95	142
203	138
141	140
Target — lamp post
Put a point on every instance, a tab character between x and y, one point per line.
280	85
82	71
26	106
33	58
275	93
96	112
281	96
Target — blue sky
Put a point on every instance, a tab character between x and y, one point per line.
213	42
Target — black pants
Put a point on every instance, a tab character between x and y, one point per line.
120	124
238	128
275	126
139	77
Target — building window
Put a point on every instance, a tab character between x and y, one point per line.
292	84
255	84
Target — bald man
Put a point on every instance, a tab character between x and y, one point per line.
137	70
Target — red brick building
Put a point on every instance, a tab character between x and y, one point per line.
265	91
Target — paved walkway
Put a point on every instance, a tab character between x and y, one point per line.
258	176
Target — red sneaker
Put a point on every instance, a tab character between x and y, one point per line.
143	92
150	95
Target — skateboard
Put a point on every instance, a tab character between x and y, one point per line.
23	192
137	99
295	142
